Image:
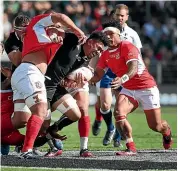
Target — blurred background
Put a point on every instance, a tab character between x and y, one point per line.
154	21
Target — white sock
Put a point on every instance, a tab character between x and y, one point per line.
83	143
128	140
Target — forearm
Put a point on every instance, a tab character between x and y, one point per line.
97	76
132	71
64	20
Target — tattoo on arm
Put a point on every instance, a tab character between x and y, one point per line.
132	68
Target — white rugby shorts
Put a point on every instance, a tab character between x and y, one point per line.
148	98
26	80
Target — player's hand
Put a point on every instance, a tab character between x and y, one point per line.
81	36
52	131
6	71
80	80
56	39
68	83
116	83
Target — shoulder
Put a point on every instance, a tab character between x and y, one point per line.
12	36
126	45
132	31
71	38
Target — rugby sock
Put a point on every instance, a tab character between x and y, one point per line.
84	129
131	146
6	125
98	114
107	115
33	128
117	136
63	122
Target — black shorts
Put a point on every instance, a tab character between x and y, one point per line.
54	92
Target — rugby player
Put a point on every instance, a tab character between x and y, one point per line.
139	86
69	57
28	79
121	14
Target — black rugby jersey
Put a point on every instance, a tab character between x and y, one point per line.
69	57
13	43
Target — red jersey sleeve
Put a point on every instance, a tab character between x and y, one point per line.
102	60
130	52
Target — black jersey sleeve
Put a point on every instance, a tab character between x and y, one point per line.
12	43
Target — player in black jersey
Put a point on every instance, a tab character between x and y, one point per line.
69	57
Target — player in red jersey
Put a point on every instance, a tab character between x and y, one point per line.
125	60
28	79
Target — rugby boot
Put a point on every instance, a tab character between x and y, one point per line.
96	127
167	140
130	151
108	137
85	153
53	152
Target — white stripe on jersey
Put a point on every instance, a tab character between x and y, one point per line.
131	35
39	29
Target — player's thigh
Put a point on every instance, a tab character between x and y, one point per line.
123	105
150	101
82	98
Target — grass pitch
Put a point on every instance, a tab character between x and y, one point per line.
144	137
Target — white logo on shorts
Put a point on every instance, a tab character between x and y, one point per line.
38	84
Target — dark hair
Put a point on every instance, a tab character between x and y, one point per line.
21	21
112	23
49	11
111	13
99	35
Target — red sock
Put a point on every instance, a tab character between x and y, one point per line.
33	128
168	132
131	146
84	126
6	125
15	138
98	114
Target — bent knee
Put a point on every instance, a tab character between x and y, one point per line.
105	106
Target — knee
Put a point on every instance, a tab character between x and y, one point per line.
73	115
119	112
40	110
105	106
84	110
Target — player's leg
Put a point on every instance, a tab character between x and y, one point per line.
31	88
125	104
82	97
96	127
151	105
117	137
106	102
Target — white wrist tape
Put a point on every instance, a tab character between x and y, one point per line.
124	78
